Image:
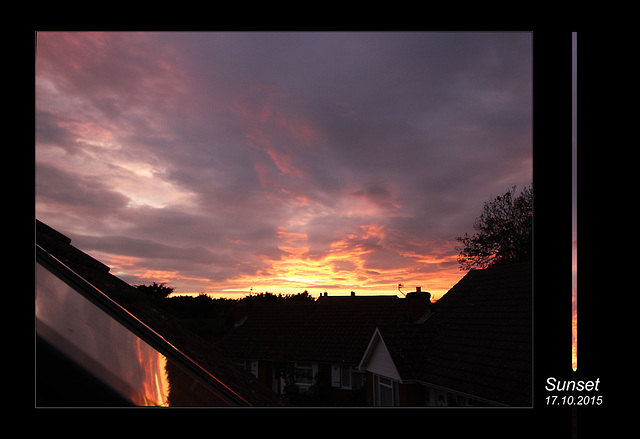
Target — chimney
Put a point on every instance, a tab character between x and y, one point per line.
418	305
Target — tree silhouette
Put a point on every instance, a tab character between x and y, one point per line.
159	291
503	232
270	297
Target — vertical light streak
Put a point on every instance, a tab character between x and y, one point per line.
574	200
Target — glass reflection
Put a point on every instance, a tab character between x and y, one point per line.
111	352
101	345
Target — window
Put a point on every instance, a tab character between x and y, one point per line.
106	355
346	377
385	392
304	374
336	375
446	399
250	366
437	397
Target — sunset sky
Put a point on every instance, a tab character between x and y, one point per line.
280	162
574	198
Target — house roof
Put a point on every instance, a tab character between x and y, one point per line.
478	341
203	353
331	329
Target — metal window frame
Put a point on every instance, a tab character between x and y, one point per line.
137	327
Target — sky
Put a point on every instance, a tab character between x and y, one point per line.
574	200
230	162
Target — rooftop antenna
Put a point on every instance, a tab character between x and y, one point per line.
401	286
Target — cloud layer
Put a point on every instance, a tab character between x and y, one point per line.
279	161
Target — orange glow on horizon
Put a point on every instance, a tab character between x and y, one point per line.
574	331
317	278
574	308
358	261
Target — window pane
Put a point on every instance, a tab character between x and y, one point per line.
304	373
104	345
386	391
346	376
385	396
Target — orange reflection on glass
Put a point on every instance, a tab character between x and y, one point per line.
95	341
152	384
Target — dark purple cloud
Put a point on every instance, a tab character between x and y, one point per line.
237	158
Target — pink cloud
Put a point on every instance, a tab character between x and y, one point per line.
253	158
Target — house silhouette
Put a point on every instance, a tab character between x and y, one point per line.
475	349
471	348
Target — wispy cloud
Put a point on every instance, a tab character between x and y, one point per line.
279	160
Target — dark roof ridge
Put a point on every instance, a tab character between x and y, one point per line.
204	353
44	230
